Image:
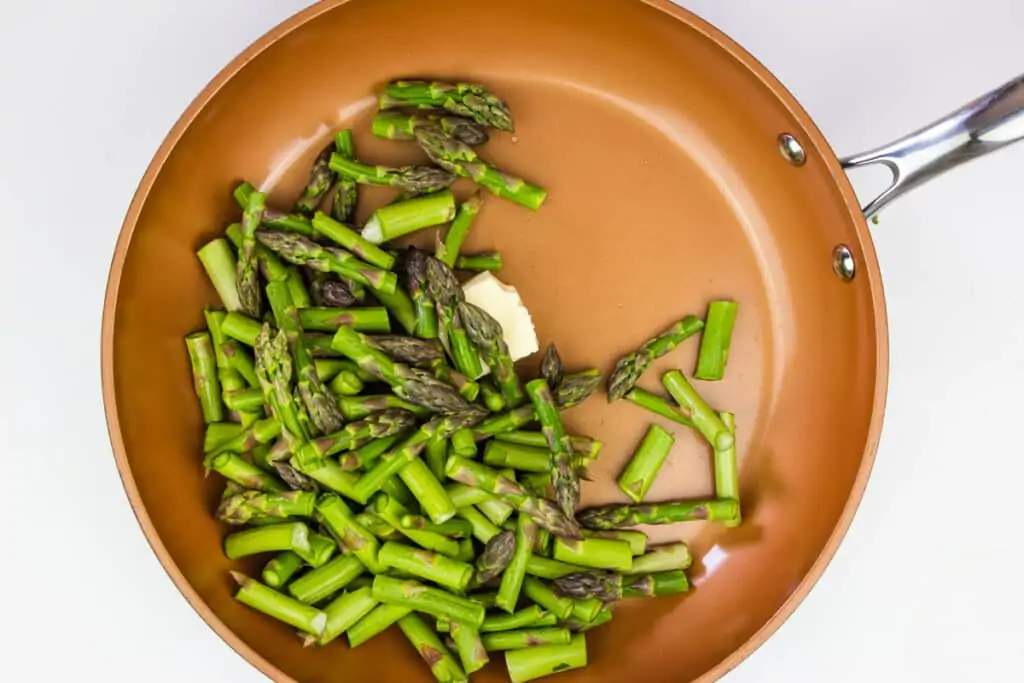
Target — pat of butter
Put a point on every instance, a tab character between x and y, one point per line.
503	302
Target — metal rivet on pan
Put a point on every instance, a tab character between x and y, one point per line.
842	262
791	149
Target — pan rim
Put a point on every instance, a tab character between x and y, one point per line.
811	135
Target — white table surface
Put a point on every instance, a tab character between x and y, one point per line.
927	585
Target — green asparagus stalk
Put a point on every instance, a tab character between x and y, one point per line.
586	609
453	528
602	618
344	612
409	350
326	580
493	399
542	511
515	572
244	400
400	127
496	557
367	454
517	457
261	432
415	267
346	193
463	443
525	638
376	426
535	662
401	307
279	570
462	160
247	280
636	479
468	389
292	536
205	381
241	328
432	601
274	369
296	283
540	593
546	568
585	448
486	333
490	261
219	433
303	251
663	558
470	646
528	616
508	421
462	495
727	474
329	368
543	544
332	291
371	319
375	622
659	406
705	419
342	523
715	342
415	179
274	218
637	540
401	218
447	296
424	564
440	660
468	100
618	516
359	407
449	244
483	529
551	367
629	368
346	383
241	507
283	608
351	240
221	267
563	475
321	177
378	527
576	388
243	473
392	511
240	361
601	553
411	384
321	550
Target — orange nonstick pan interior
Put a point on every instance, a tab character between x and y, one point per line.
657	139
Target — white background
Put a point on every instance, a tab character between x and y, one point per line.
928	583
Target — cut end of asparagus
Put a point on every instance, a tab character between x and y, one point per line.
372	231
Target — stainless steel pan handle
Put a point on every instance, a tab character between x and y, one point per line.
988	123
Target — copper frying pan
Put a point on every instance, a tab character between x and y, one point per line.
660	140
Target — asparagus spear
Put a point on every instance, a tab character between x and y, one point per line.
240	361
321	550
601	553
403	217
303	251
496	557
727	474
326	580
563	474
376	426
546	568
401	127
462	160
391	511
346	193
543	544
408	383
424	564
447	296
352	241
417	179
618	516
375	622
706	420
525	638
585	448
247	280
321	177
409	350
643	467
630	367
490	261
450	242
358	407
370	319
493	399
280	606
528	616
551	367
608	586
339	520
535	662
241	328
483	529
486	333
586	609
659	406
241	507
433	601
714	343
440	660
274	369
291	476
470	646
662	558
540	593
453	528
281	569
377	526
221	267
603	617
637	540
464	443
576	388
243	473
368	453
428	491
515	571
463	99
468	389
205	381
273	218
333	291
292	536
415	265
343	612
218	433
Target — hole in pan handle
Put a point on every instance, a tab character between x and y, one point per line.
988	123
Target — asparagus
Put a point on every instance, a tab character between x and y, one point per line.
453	528
463	443
486	333
608	586
705	419
442	570
329	368
535	662
324	319
247	278
586	609
411	384
296	284
585	448
403	217
272	217
528	616
377	526
603	617
727	474
243	473
332	291
714	343
440	660
637	540
376	426
576	388
493	399
483	529
630	367
368	453
243	400
436	455
241	328
218	433
221	267
618	516
515	572
241	507
662	558
495	557
462	160
508	421
409	350
415	179
292	536
530	458
205	381
546	568
450	242
277	605
392	511
343	612
326	580
542	546
468	100
375	622
358	407
468	389
339	520
400	127
542	511
279	570
432	601
321	550
551	367
240	361
601	553
516	640
659	406
274	369
415	267
303	251
636	479
563	474
470	647
448	296
490	261
321	177
401	307
346	383
346	193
